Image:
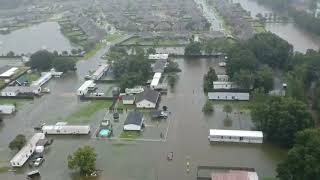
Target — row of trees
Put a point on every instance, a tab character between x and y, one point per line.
44	60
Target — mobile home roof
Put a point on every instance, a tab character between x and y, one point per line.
235	133
85	85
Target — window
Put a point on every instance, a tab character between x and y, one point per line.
241	138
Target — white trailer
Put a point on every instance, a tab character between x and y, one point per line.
158	56
7	109
100	72
23	155
45	77
64	128
239	136
229	96
135	90
224	85
85	87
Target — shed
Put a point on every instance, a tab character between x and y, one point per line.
134	121
147	99
158	56
128	99
224	85
7	109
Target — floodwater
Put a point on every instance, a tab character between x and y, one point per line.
119	160
46	35
300	39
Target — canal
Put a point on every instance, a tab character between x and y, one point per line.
46	35
300	39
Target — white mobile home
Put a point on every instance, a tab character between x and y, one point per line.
158	56
155	81
229	96
23	155
64	128
45	77
220	135
100	72
223	77
7	109
85	87
9	72
224	85
135	90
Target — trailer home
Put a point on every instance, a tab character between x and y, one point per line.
85	87
24	154
100	71
7	109
229	96
45	77
239	136
224	85
64	128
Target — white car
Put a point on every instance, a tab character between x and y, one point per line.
38	162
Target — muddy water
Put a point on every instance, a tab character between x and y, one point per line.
300	39
187	136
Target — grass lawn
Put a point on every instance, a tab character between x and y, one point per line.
113	37
130	135
19	72
2	84
4	169
32	76
88	110
92	52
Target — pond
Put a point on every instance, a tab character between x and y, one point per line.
46	35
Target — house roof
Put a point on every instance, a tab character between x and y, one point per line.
135	118
149	95
237	133
159	65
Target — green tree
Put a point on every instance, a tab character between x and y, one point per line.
18	142
280	118
151	50
264	78
303	160
244	79
227	109
172	79
83	159
208	107
41	60
64	64
194	48
172	67
270	49
10	54
208	80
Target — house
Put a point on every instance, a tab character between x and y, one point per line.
100	72
64	128
159	66
221	135
235	175
229	95
128	99
16	90
8	72
223	77
7	109
158	56
45	77
84	88
224	85
147	99
24	154
134	121
22	81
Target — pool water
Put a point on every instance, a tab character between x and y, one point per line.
104	132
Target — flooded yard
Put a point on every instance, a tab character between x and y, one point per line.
139	160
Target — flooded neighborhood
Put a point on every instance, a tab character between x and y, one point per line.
155	90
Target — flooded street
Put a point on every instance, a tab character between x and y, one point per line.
300	39
30	39
187	136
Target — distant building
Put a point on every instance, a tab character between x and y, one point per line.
158	56
134	121
147	99
18	90
235	175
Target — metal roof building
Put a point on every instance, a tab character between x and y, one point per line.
64	128
221	135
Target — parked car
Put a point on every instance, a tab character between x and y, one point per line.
38	162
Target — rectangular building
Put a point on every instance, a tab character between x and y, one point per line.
85	87
100	71
229	96
224	85
24	154
64	128
8	73
45	77
158	56
221	135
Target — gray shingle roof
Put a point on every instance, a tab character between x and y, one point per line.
148	94
134	117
